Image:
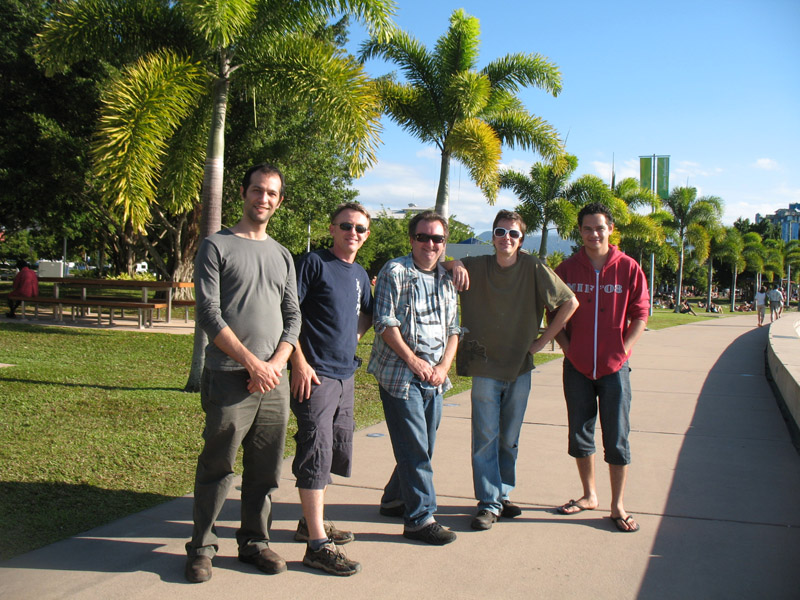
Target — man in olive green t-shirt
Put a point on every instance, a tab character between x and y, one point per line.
500	315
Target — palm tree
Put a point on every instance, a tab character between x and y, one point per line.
716	238
468	114
548	197
728	248
639	233
791	258
773	263
754	255
174	66
691	216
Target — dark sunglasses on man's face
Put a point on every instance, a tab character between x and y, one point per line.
424	238
515	234
349	226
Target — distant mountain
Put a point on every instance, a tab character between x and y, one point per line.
532	242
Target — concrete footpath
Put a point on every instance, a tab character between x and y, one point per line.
715	485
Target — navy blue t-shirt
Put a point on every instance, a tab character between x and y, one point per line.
332	295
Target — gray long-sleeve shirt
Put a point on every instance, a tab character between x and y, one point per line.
249	286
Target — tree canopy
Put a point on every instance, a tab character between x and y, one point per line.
466	112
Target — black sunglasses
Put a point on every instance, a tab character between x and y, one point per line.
349	226
502	231
424	238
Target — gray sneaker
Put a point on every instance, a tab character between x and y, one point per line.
331	560
337	536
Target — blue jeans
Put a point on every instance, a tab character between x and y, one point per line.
412	424
498	408
612	395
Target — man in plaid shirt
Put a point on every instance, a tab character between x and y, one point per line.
416	336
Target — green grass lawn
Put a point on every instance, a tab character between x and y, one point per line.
663	317
94	426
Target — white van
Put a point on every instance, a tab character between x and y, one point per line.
141	267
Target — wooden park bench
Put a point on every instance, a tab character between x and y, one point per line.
145	309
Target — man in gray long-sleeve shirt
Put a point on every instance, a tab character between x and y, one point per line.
247	304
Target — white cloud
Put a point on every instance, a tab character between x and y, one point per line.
430	153
629	168
516	164
686	168
766	164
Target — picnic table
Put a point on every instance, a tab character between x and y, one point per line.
145	306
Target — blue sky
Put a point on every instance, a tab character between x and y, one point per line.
713	84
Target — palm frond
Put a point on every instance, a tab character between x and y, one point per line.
118	31
341	94
409	54
519	129
475	144
220	22
523	70
457	49
140	111
466	95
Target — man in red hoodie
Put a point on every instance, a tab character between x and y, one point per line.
597	342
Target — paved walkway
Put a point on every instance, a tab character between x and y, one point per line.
715	485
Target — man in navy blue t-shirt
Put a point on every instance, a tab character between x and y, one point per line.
336	304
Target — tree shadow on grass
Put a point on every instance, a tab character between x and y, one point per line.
39	513
50	384
52	330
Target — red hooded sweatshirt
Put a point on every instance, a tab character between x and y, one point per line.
609	300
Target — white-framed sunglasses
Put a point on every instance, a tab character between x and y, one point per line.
514	234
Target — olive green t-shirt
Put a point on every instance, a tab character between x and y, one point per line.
501	314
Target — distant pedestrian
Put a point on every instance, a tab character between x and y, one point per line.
25	284
760	301
775	298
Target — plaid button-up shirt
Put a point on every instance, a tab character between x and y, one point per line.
399	299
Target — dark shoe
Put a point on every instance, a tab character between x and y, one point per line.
198	568
393	511
483	520
265	561
432	534
331	560
510	510
337	536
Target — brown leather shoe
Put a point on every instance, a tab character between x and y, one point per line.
265	561
198	568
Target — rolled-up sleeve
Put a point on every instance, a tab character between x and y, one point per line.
387	292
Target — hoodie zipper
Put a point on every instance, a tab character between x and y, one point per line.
596	310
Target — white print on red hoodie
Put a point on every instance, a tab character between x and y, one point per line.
609	300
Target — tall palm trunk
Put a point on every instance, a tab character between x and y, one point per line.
212	210
710	283
543	244
733	290
443	193
679	287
